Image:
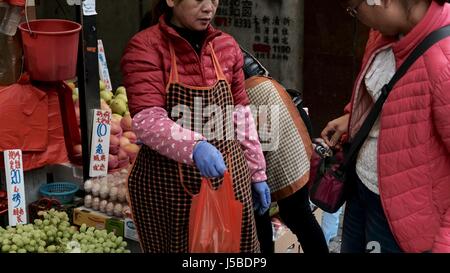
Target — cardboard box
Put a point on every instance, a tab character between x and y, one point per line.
91	218
130	231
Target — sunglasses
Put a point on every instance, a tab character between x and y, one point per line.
353	11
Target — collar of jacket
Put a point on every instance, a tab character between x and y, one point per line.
436	17
211	32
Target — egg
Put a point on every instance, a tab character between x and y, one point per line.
110	208
102	206
104	191
88	186
118	210
113	193
95	189
95	203
121	195
103	181
88	201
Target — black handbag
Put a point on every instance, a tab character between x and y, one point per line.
331	181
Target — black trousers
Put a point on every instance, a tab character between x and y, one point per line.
295	212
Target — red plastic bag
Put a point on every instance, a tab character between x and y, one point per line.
215	219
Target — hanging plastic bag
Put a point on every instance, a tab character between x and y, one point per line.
215	219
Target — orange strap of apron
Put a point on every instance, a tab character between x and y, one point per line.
173	76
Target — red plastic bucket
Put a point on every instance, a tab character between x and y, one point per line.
50	48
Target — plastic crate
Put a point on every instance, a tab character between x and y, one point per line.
64	192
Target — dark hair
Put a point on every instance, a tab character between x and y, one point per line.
156	10
441	2
159	8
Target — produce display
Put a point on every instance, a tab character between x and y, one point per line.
54	234
108	194
122	146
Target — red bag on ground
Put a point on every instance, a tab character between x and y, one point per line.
215	219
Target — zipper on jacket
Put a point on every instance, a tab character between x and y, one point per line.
199	58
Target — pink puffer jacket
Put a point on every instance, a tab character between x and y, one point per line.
414	140
146	65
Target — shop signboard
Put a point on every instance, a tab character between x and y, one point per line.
17	213
271	30
101	130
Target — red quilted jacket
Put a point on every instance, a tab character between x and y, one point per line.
146	65
414	139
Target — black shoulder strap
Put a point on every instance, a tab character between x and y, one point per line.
362	134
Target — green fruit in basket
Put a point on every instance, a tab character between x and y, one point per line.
6	248
121	97
51	248
102	85
30	249
106	96
21	250
121	90
83	228
118	106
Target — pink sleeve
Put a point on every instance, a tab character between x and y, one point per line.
154	128
248	137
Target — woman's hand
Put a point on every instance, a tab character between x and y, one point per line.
335	129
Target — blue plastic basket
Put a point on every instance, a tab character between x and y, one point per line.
64	191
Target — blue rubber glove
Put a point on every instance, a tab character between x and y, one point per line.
208	160
261	197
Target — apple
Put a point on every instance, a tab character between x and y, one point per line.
126	123
124	141
131	136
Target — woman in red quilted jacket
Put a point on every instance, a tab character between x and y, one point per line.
402	202
182	76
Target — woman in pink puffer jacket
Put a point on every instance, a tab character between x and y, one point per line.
402	203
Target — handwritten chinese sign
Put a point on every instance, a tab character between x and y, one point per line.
101	131
270	30
15	187
103	66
